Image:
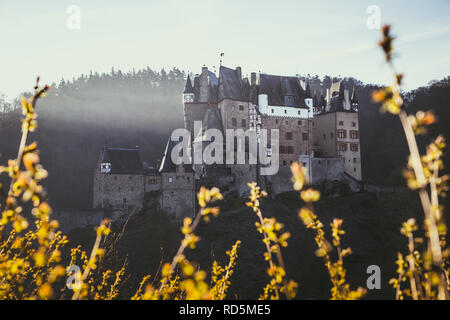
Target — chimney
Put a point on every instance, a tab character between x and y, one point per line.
239	73
253	79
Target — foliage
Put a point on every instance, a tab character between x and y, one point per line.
340	289
428	272
269	228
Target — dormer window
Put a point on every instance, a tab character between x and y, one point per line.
105	167
289	101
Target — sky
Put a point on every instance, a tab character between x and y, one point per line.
284	37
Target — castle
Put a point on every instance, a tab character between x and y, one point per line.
320	132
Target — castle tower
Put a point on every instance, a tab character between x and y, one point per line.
177	186
198	98
336	131
188	100
188	93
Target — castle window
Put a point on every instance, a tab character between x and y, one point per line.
354	169
331	135
244	124
305	136
353	124
299	122
290	149
288	135
353	147
287	122
342	147
119	189
324	136
341	133
284	162
170	179
285	111
272	110
241	108
233	122
354	160
354	134
276	121
299	113
105	167
281	149
130	178
341	123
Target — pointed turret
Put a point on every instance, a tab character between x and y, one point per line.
188	93
188	88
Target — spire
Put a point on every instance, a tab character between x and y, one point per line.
188	88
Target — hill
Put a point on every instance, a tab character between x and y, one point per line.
372	222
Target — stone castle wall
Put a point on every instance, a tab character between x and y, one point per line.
118	190
178	194
299	141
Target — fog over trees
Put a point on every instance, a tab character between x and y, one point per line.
141	108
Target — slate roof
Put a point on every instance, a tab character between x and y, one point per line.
188	88
212	120
167	164
230	85
277	87
123	160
